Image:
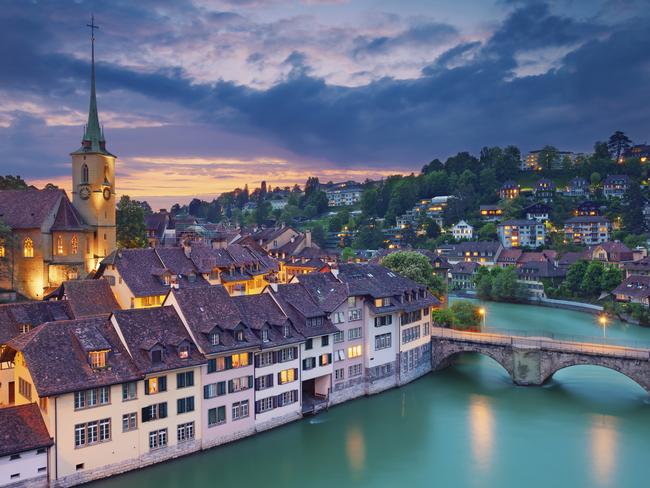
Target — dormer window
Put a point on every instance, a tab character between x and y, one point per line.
24	328
184	351
167	278
265	335
97	359
156	356
214	339
286	331
191	277
239	335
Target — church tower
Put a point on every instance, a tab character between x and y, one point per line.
93	177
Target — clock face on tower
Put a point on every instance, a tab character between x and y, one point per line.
84	192
107	193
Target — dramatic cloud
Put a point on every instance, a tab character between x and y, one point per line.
198	97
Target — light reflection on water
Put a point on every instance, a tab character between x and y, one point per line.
604	437
481	424
355	448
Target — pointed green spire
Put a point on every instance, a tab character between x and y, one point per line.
93	136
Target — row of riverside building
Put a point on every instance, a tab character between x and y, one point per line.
100	390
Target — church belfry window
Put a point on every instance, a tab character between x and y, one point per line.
28	248
74	244
107	181
84	173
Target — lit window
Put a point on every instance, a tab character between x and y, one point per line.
2	248
28	248
97	359
59	245
74	244
184	351
354	351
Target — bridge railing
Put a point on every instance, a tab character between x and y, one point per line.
536	340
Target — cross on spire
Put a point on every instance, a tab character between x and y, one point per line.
93	135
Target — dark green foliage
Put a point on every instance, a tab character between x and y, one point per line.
131	230
500	284
466	314
417	267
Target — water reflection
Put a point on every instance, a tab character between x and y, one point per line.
481	422
355	447
604	435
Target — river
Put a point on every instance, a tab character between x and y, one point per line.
466	426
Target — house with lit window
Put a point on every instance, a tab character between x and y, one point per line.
634	289
509	190
485	253
462	231
615	186
316	352
397	324
169	397
227	376
490	213
538	212
521	233
587	209
588	230
24	460
156	224
141	278
461	276
81	383
544	189
345	311
578	187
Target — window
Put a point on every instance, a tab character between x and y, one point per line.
264	359
354	314
338	317
382	341
154	412
325	340
239	336
425	311
129	391
410	334
84	173
74	244
28	248
59	245
427	329
2	248
382	302
286	331
339	336
25	388
409	317
352	301
155	385
355	370
214	339
214	389
42	403
287	398
382	320
158	439
354	351
287	376
184	405
339	374
240	384
288	354
265	335
354	333
156	354
185	379
97	359
324	359
309	344
184	351
129	422
239	360
185	432
24	328
308	363
92	398
315	322
216	416
240	410
90	433
264	405
339	355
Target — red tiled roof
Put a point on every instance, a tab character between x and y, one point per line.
22	429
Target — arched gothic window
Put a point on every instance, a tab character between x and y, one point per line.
84	173
59	245
74	244
28	248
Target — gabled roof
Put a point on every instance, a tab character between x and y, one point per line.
325	289
157	222
261	311
634	286
13	315
28	209
616	179
144	328
464	267
299	306
22	429
67	218
56	354
88	298
586	219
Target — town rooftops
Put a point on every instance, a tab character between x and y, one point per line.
261	312
29	209
87	298
22	429
67	217
634	286
57	355
509	256
325	289
616	180
146	330
538	208
303	311
18	318
156	223
482	248
465	268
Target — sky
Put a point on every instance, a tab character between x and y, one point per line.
200	96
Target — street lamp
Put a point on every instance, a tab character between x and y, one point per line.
481	312
603	321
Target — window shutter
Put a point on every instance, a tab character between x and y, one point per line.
274	357
146	387
206	391
277	400
190	378
270	379
163	410
295	353
320	360
162	383
231	386
274	402
190	404
295	373
250	382
146	417
257	360
257	384
279	378
221	388
250	358
180	405
329	358
229	362
304	364
257	406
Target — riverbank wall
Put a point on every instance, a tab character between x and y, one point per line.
544	302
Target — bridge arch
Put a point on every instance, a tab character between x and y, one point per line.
442	357
635	374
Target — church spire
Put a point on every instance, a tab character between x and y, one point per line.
93	136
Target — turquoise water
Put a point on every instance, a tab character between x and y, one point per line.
466	426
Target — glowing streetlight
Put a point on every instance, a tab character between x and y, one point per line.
603	321
481	312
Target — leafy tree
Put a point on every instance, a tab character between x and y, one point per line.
431	228
417	267
369	200
633	202
547	157
346	254
262	212
466	314
487	232
131	230
617	144
575	275
633	241
435	165
592	279
595	178
443	317
610	278
369	237
311	186
10	182
8	243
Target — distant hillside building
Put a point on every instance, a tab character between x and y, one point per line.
509	190
532	162
544	189
343	194
615	186
521	233
588	230
462	231
490	213
577	188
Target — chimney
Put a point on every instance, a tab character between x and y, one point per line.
308	238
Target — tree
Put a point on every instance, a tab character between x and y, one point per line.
417	267
369	202
318	235
466	314
575	275
369	237
431	228
131	230
10	182
592	279
443	317
487	232
547	157
595	178
617	144
8	245
346	254
262	212
610	278
633	203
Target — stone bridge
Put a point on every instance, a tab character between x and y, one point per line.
533	360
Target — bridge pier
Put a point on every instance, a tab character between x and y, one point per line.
527	366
